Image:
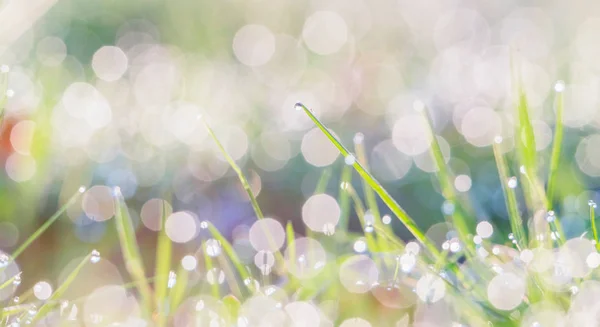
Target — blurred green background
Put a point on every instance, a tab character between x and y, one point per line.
108	93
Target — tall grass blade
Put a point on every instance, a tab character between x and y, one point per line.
162	268
376	186
556	144
237	170
510	198
460	219
593	224
131	251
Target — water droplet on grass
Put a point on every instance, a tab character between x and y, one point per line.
298	106
350	159
10	93
213	248
172	279
559	86
386	219
512	182
95	257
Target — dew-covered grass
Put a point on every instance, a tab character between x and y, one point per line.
462	271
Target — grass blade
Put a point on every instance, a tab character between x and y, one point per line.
344	198
238	171
370	198
131	251
163	267
46	225
57	295
323	181
177	293
516	223
376	186
459	218
557	143
593	223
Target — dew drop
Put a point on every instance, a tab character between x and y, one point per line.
81	189
10	93
172	279
511	236
350	160
329	229
213	248
550	216
369	227
95	257
215	276
498	139
512	182
204	224
16	299
298	106
559	86
523	170
592	204
455	245
17	280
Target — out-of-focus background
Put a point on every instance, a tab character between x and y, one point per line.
107	93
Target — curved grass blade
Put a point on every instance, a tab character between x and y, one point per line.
130	249
46	225
237	170
376	186
57	295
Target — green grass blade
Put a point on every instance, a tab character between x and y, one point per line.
359	207
215	290
593	224
556	144
60	291
510	198
228	248
177	293
9	281
460	218
376	186
370	198
237	170
162	269
323	181
130	249
344	198
47	224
